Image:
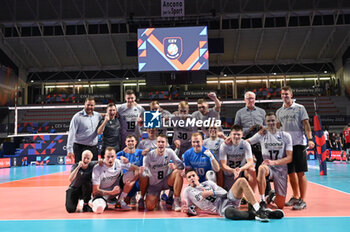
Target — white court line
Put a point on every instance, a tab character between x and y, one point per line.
329	187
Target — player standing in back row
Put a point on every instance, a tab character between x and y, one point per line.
130	116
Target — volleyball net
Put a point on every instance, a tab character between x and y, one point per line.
55	119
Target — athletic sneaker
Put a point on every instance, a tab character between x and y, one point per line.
122	206
87	208
169	202
274	214
163	197
292	201
177	204
271	197
191	211
133	200
263	205
261	215
300	205
141	204
243	201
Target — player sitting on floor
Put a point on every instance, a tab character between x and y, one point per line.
211	198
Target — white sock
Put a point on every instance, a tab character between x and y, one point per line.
256	206
262	197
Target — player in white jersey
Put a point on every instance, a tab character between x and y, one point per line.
163	168
213	143
205	113
130	117
154	106
277	152
236	159
182	131
209	197
107	181
151	142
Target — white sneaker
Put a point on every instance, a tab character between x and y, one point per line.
124	206
177	204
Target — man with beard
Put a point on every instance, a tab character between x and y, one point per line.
83	131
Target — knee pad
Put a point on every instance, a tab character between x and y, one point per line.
210	175
99	205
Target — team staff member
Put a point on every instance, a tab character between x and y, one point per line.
110	127
295	121
83	131
252	118
80	183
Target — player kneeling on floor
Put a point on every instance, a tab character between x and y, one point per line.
107	182
209	197
163	168
277	152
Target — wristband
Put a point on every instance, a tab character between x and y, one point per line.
311	139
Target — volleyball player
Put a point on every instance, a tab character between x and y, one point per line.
182	133
236	159
213	143
107	182
277	151
130	117
205	113
295	121
163	168
154	106
209	197
201	159
134	156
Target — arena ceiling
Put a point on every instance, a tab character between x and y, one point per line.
91	35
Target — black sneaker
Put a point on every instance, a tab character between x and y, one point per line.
300	205
169	202
263	205
87	208
251	211
274	214
292	201
271	197
261	215
191	211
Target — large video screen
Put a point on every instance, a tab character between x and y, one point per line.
173	49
